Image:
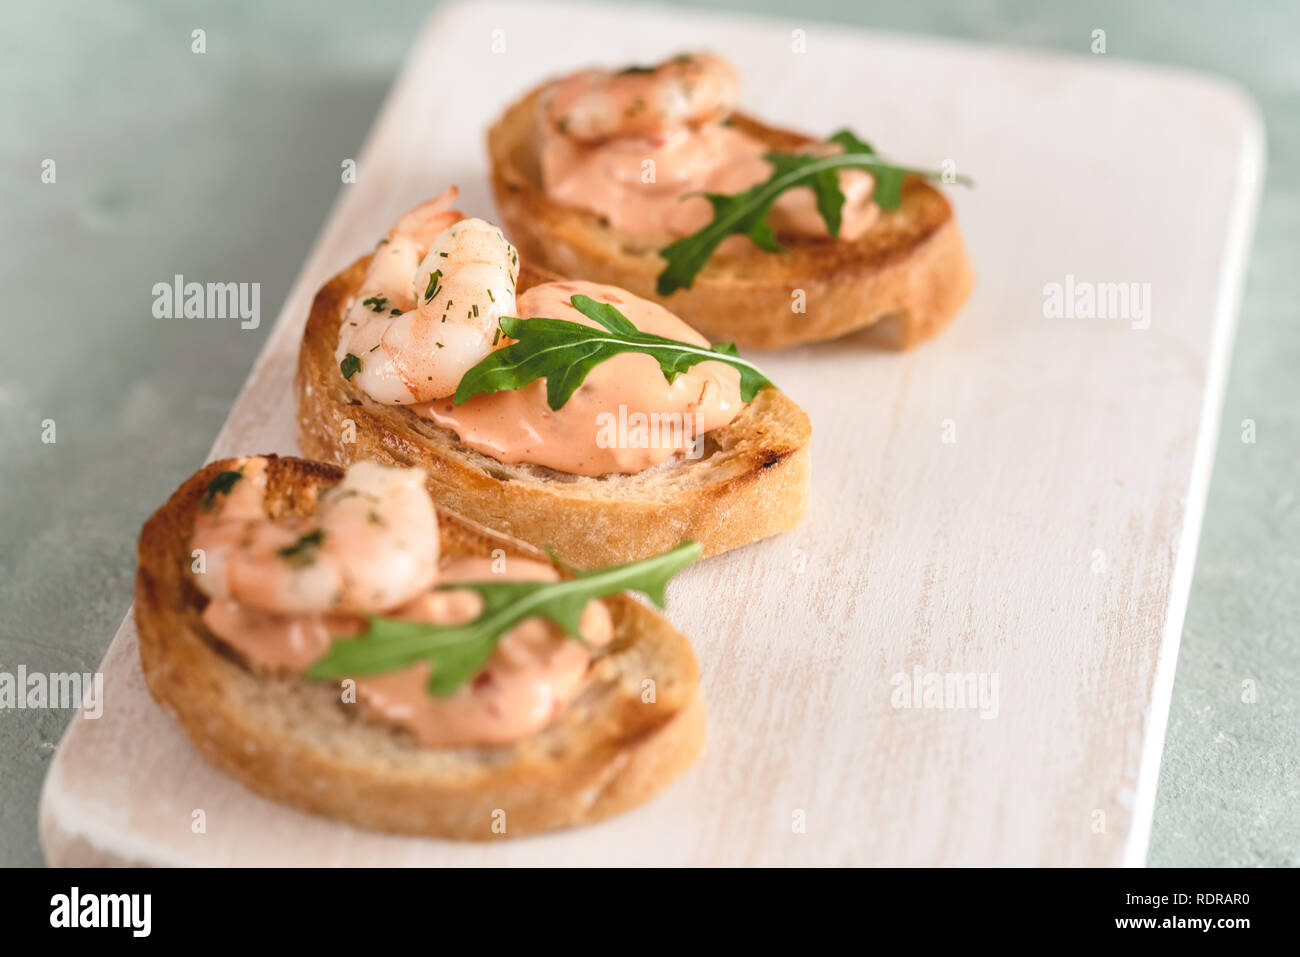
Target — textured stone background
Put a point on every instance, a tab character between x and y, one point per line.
223	167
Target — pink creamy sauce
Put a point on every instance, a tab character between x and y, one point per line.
273	643
609	179
533	673
598	431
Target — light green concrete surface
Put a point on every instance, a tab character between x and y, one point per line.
223	167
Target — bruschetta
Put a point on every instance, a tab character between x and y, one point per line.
570	414
337	642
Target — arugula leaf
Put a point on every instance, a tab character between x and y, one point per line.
458	652
564	352
745	213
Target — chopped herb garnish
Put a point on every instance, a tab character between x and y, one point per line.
303	551
221	484
431	290
350	366
376	303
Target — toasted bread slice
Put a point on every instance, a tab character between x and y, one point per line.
751	482
295	741
905	278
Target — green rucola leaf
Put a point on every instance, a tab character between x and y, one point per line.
850	142
745	213
830	200
606	314
564	352
458	652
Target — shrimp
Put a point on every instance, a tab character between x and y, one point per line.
371	545
387	283
691	89
430	311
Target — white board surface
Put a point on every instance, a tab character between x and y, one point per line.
1020	498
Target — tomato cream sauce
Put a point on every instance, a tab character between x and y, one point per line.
610	179
534	672
637	176
624	418
276	644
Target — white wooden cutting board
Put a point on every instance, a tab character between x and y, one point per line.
1019	499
